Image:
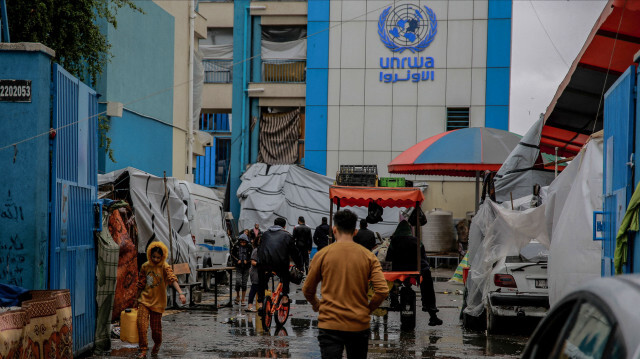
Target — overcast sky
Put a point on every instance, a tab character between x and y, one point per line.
537	68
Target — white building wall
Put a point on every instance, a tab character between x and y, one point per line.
371	122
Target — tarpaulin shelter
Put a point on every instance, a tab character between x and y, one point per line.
464	153
290	191
351	196
563	223
576	110
146	194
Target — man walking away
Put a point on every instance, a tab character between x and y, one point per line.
365	237
275	249
321	235
302	237
345	269
402	255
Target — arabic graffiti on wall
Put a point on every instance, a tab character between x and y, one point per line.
13	254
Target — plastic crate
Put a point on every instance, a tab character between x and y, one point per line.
392	182
350	179
357	169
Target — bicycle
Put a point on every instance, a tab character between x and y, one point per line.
272	307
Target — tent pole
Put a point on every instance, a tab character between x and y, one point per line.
166	195
331	219
419	232
477	198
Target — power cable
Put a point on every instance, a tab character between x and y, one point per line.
547	33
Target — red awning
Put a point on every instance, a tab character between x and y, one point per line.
577	108
386	197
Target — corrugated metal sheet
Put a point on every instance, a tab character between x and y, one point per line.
73	193
619	120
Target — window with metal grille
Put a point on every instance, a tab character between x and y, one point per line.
215	122
457	117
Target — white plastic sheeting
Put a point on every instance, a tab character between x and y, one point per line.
290	191
563	223
217	51
150	210
505	232
575	256
290	50
517	175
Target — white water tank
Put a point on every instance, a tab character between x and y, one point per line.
437	234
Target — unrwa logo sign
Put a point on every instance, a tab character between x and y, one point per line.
407	27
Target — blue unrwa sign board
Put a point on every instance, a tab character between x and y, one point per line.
407	27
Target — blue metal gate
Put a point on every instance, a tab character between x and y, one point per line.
73	192
619	125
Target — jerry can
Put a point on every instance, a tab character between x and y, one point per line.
128	325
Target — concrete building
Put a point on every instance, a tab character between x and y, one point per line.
378	77
145	88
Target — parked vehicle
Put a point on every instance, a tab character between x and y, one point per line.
519	286
598	320
207	222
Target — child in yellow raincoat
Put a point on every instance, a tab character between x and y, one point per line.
154	277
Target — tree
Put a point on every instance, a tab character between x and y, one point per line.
70	27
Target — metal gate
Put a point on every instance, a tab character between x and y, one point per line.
74	163
619	130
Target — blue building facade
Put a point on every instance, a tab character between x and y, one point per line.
140	76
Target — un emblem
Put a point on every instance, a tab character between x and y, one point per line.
407	27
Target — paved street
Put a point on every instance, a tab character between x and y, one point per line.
231	333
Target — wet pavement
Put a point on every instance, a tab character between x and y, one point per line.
235	333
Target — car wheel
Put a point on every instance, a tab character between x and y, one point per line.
474	323
493	322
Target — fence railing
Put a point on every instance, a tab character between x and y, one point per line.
284	71
218	71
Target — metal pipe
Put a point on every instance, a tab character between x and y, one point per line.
419	233
556	165
244	86
192	24
166	194
477	197
4	21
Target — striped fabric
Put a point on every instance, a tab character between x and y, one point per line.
108	254
457	276
279	133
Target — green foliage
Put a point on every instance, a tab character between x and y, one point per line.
70	27
104	125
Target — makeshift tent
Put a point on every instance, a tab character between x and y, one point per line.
146	194
523	168
289	191
563	222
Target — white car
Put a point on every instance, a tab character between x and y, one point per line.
519	286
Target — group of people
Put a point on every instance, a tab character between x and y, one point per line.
346	269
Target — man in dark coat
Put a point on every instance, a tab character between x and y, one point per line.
274	253
402	254
321	235
365	237
302	237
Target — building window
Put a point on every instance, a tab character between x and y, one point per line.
457	117
217	53
215	122
213	168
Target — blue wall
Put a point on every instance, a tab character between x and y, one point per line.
239	85
141	67
24	189
315	154
139	141
498	64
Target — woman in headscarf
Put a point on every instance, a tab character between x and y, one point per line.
402	254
